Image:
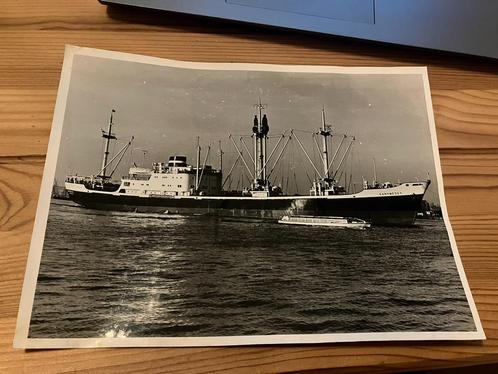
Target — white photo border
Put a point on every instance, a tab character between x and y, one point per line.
21	339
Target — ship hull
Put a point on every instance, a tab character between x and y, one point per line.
379	210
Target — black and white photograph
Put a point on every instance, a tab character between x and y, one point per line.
200	204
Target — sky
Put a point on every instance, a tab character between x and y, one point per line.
166	108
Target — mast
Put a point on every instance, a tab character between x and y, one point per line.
198	160
264	138
255	130
221	156
107	136
325	132
374	173
260	132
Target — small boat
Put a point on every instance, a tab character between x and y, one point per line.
328	221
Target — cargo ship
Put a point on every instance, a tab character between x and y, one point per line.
177	187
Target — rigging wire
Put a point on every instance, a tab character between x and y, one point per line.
293	169
314	158
295	180
351	161
281	173
309	179
113	147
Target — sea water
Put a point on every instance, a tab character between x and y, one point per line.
158	275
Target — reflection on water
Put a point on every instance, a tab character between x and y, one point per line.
108	274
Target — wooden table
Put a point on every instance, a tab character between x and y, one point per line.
465	95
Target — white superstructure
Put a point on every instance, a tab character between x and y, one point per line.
176	178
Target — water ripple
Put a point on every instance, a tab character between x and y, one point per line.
106	274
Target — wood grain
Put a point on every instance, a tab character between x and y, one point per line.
465	97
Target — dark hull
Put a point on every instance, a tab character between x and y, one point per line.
379	210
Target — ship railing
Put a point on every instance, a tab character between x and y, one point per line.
76	179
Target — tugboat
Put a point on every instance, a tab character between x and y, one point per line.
181	188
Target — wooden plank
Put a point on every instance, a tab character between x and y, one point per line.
26	118
466	118
32	58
